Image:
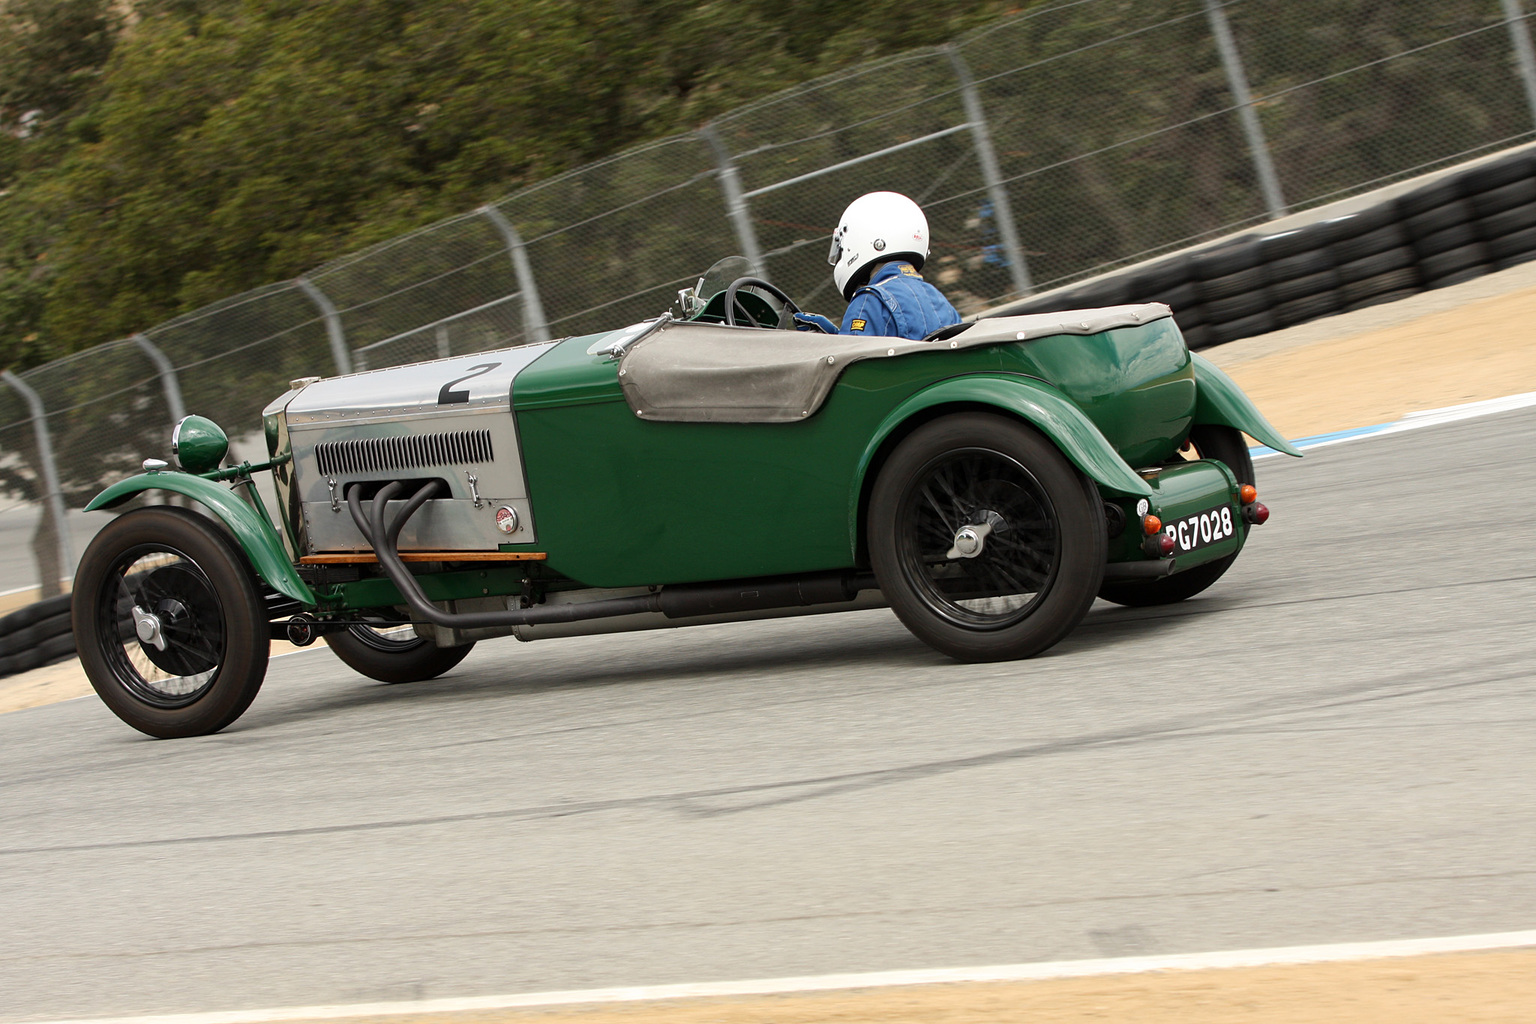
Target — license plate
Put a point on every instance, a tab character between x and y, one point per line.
1201	529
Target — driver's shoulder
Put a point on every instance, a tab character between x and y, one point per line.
868	313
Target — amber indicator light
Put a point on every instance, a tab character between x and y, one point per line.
1151	525
1248	493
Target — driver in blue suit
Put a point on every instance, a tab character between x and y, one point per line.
877	252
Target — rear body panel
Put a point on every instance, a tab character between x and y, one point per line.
623	501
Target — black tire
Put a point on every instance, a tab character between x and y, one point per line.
1513	249
1514	261
1308	307
1442	265
1391	281
1377	263
30	614
1238	306
56	649
1180	297
1438	219
1229	258
1227	285
1114	292
206	654
1301	287
1302	264
1362	222
1196	335
1032	578
1458	277
1497	174
394	659
1454	237
28	637
1428	197
1247	327
1507	197
1507	222
1162	276
1210	441
1358	247
1273	248
1382	298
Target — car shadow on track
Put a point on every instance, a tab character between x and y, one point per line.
878	648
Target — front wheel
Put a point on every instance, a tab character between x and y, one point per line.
170	629
393	653
1209	441
985	540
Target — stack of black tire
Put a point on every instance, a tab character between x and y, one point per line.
37	635
1452	230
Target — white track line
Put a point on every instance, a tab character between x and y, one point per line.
878	979
1413	421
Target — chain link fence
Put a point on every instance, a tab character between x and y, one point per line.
1072	139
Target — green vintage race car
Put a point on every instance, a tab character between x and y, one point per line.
986	483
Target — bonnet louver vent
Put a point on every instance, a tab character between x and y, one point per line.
372	454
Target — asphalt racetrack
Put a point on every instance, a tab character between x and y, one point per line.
1331	745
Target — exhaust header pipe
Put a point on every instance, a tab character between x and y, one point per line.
676	602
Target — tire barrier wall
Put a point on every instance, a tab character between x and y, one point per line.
1460	226
36	635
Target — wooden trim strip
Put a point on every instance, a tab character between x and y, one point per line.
368	557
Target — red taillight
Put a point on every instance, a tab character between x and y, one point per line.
1256	514
1165	545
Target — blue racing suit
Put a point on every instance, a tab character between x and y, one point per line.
898	303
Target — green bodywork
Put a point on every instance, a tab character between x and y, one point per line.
1179	491
1221	401
256	536
621	501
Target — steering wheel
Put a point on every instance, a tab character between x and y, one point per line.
732	305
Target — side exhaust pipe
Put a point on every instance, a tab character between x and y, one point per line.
677	602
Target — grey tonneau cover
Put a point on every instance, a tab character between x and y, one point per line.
709	373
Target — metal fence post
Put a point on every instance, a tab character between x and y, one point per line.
333	330
735	200
169	382
54	496
1237	79
991	173
533	309
1520	36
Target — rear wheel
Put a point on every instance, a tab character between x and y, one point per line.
986	541
391	652
1224	444
170	629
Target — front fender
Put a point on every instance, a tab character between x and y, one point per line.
1219	400
1042	406
261	545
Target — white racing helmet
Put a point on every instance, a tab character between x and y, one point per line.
876	226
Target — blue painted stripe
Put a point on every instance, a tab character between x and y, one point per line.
1258	451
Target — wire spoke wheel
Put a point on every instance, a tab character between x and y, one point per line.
1003	581
988	544
168	623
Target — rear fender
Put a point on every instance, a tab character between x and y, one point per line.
261	544
1037	403
1218	400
